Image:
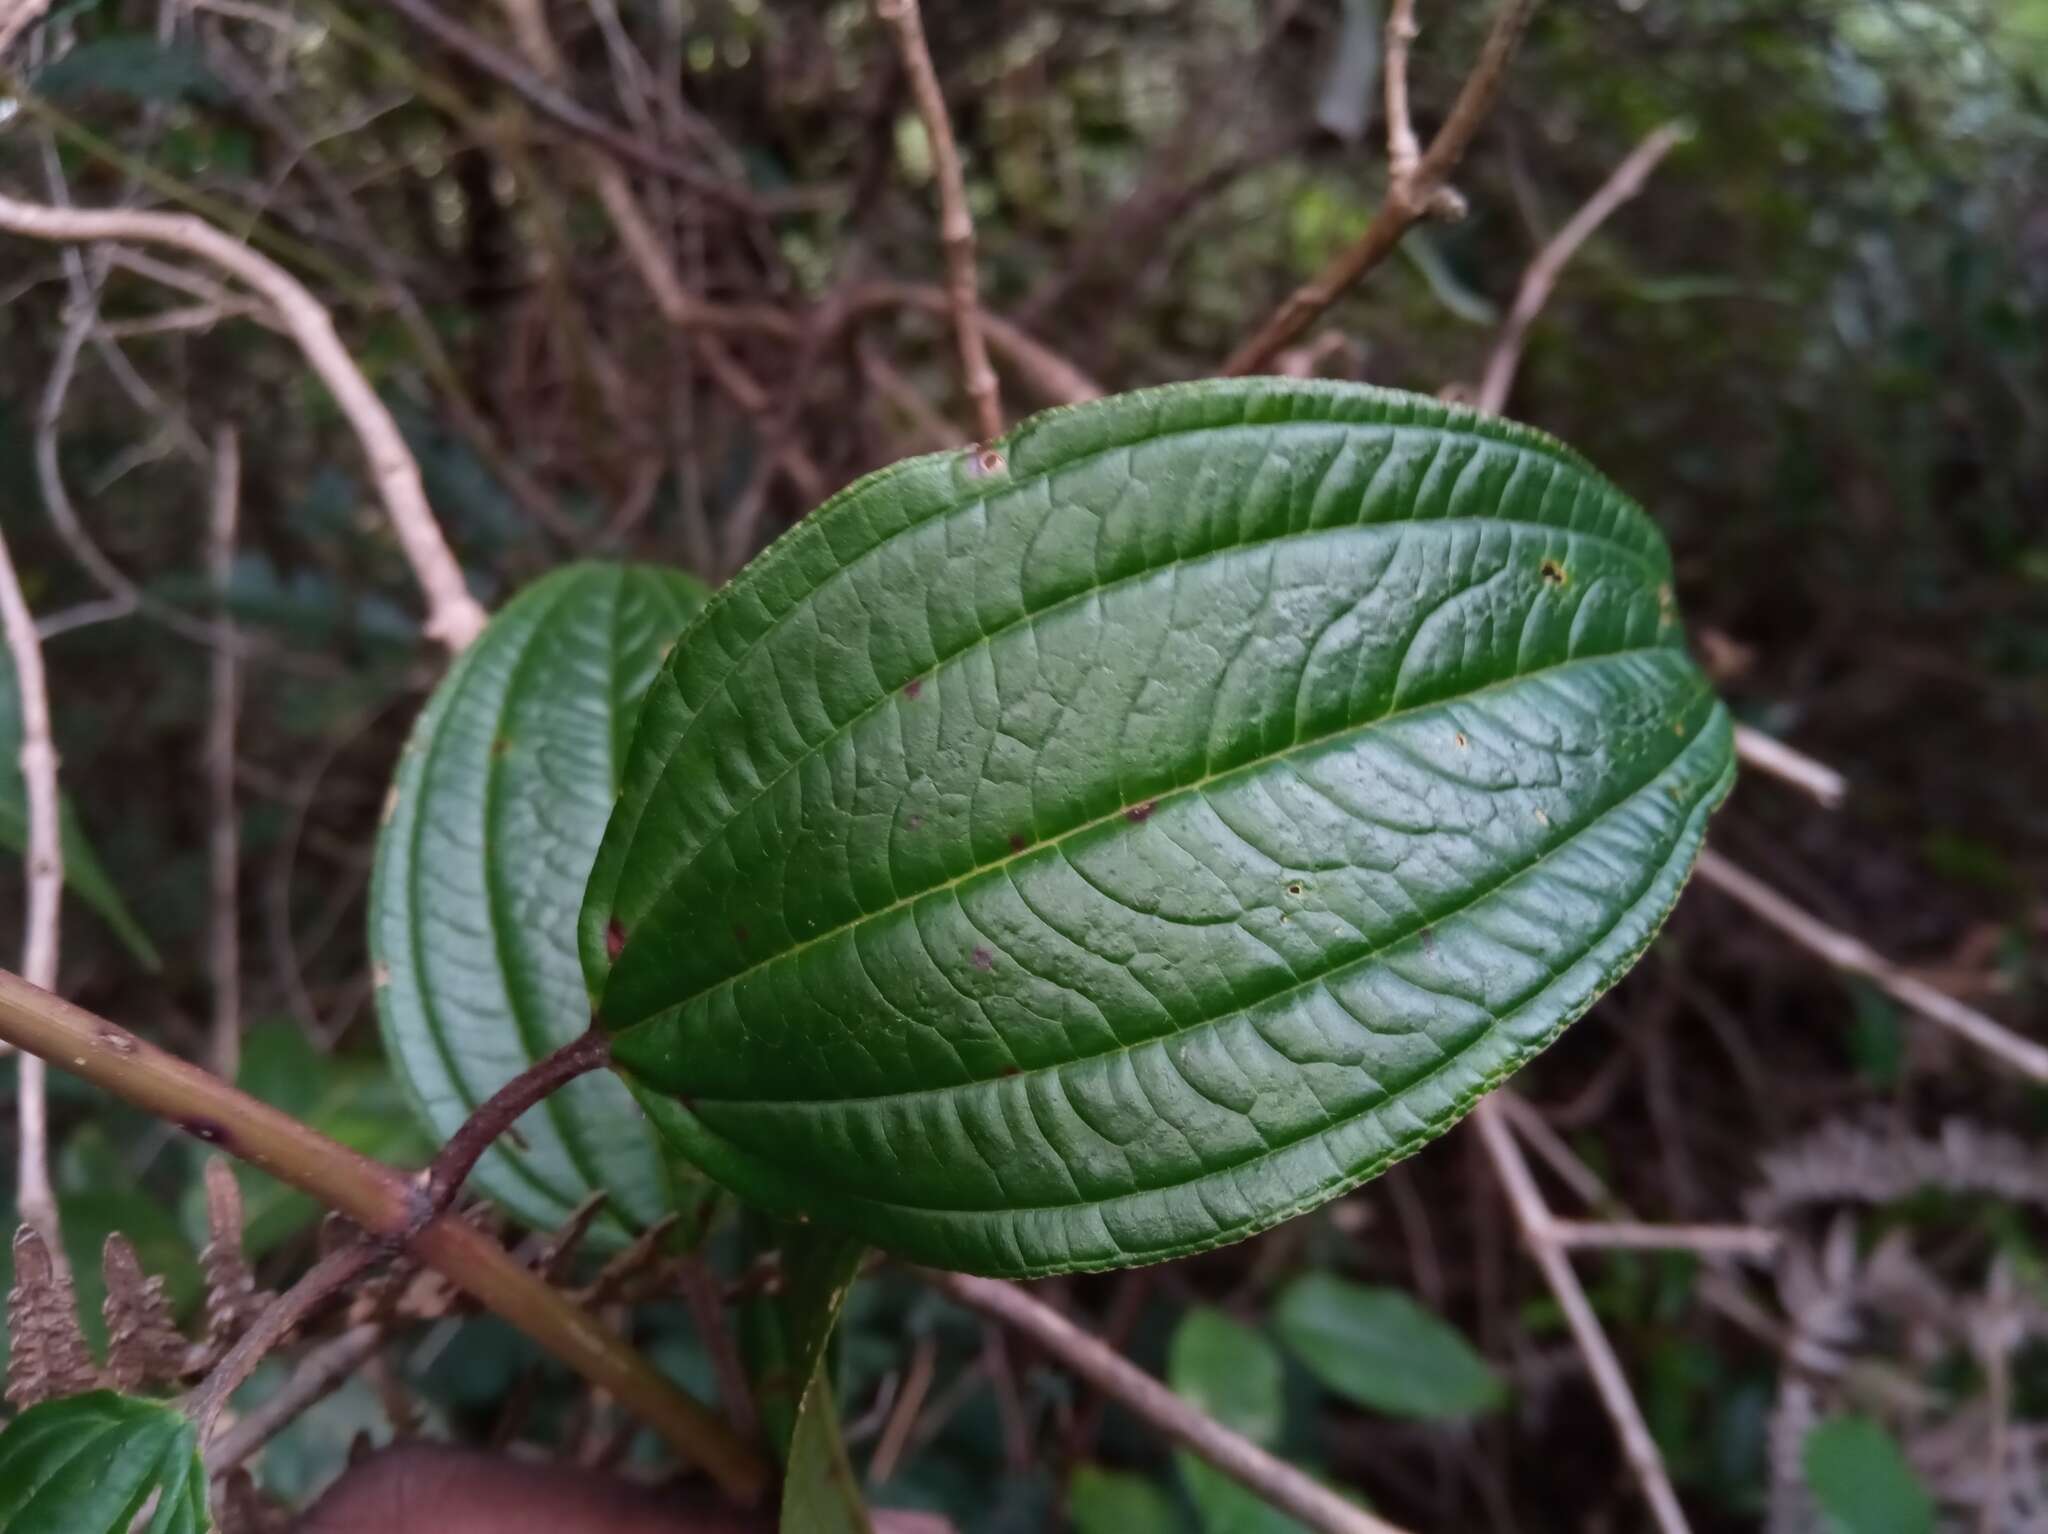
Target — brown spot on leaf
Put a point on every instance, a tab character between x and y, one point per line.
614	939
740	935
1019	841
1011	1070
983	959
914	822
1460	741
1553	573
913	687
501	745
1138	814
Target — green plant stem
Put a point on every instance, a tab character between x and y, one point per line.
388	1203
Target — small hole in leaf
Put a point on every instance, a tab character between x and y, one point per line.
1553	573
1460	741
1294	889
985	463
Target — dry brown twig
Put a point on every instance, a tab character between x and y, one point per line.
389	1204
16	17
1539	1231
1277	1482
453	616
1766	753
1853	956
1418	184
1540	279
651	260
223	843
43	869
956	224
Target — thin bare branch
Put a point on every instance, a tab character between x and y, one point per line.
650	259
453	615
386	1202
1421	193
1276	1481
1752	1242
43	868
16	17
1403	151
956	223
1539	1231
1768	754
1541	277
1050	376
224	843
325	1279
546	97
1854	957
320	1373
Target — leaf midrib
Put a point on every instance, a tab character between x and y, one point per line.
1168	796
1269	1149
1585	480
888	695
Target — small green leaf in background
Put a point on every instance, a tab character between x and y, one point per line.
820	1492
84	875
1233	1374
1119	1502
1877	1039
501	797
1379	1348
1230	1371
88	1464
1861	1480
1107	844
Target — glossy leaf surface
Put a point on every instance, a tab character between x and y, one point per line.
88	1464
1380	1349
500	800
1105	847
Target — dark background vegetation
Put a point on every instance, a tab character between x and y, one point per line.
1816	348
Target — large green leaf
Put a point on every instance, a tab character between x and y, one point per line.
86	877
1379	1348
499	803
1105	847
88	1464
